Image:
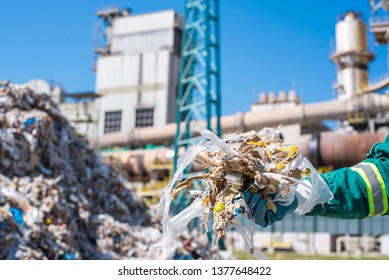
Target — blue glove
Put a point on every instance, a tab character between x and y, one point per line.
261	214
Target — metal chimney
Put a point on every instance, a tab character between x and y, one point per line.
352	55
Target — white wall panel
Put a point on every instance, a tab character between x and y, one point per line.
149	68
148	99
161	109
130	70
163	66
145	22
117	71
143	42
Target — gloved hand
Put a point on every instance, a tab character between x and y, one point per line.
263	216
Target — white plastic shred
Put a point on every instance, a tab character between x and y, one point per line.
170	228
217	141
315	190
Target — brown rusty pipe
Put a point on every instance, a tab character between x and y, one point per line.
336	149
341	150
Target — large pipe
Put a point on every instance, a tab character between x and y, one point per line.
378	86
303	114
336	149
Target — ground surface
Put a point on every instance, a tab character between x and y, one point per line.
244	255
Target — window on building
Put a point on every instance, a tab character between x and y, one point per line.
144	117
113	121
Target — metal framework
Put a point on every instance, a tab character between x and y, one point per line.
199	87
102	37
375	5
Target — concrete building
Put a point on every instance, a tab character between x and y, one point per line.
138	77
83	111
137	72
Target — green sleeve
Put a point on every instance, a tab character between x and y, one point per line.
351	196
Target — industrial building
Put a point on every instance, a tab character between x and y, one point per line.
136	74
131	117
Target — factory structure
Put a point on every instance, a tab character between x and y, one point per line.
131	117
136	75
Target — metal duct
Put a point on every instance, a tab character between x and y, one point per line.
303	114
338	149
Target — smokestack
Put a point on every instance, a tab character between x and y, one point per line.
352	55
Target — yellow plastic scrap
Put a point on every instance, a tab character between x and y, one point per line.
280	166
292	150
219	206
260	143
306	173
271	159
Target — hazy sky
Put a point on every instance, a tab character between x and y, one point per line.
266	45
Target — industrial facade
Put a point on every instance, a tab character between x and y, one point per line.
136	76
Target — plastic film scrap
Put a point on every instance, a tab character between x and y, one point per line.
252	161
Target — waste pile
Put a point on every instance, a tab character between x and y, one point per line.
57	199
253	161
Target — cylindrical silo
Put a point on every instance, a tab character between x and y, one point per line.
352	55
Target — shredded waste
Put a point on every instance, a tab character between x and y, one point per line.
253	161
59	201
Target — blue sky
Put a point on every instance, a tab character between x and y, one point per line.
266	45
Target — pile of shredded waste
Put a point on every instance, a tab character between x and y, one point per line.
57	199
255	162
